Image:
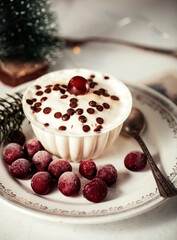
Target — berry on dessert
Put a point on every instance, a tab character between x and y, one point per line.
135	161
42	182
12	152
95	191
88	169
58	167
31	147
41	160
78	86
69	184
108	174
22	168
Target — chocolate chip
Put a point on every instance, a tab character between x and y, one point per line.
102	90
70	111
99	120
82	119
106	77
56	87
92	84
62	128
34	99
92	103
86	128
46	124
64	96
37	104
39	93
79	111
36	109
73	104
92	76
47	110
113	97
97	92
90	110
49	86
105	94
29	101
64	86
43	99
37	87
65	117
99	108
106	105
57	115
98	129
62	90
48	90
73	100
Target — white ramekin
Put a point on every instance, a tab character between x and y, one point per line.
72	147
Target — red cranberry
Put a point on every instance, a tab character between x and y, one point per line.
58	167
107	173
95	191
31	147
69	184
18	137
88	169
41	159
135	161
42	182
12	152
22	168
78	86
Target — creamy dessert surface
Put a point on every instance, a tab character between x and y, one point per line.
104	107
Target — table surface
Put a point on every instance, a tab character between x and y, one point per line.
126	20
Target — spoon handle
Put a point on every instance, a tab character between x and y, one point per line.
165	187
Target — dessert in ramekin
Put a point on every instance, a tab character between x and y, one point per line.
77	114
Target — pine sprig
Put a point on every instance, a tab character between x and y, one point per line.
11	116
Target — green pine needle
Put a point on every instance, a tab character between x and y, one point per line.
11	116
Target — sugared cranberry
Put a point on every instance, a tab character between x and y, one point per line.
58	167
107	173
22	168
88	169
18	137
135	161
41	160
31	147
12	152
78	86
95	191
69	184
42	182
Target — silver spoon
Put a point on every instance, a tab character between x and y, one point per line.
133	127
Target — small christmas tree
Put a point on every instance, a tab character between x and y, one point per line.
28	31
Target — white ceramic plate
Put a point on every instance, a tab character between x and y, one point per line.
133	194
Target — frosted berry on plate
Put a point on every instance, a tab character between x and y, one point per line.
22	168
41	159
58	167
11	152
95	191
42	182
69	184
18	137
88	169
135	161
31	147
107	173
